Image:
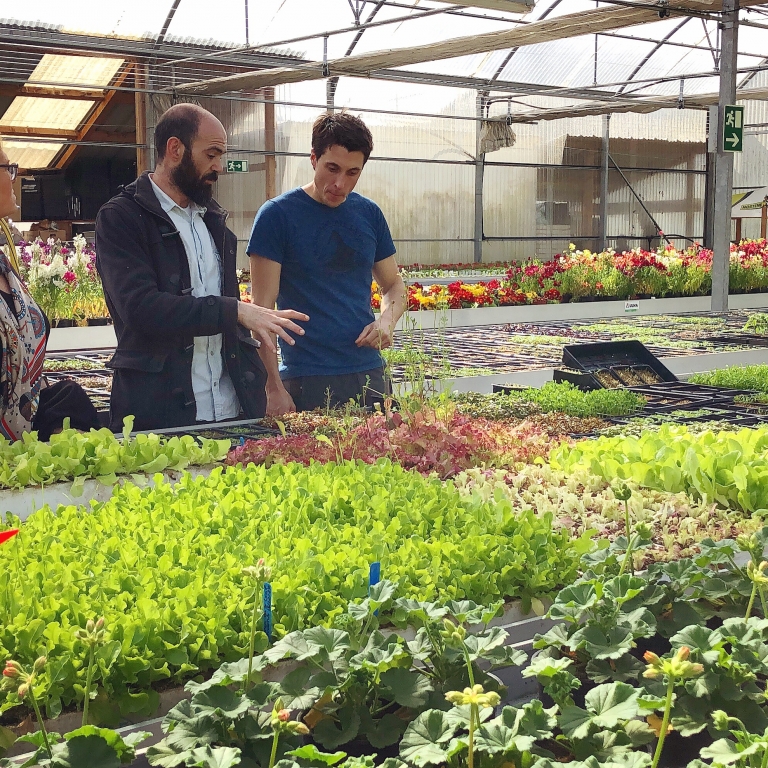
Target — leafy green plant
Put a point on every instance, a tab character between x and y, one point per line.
735	377
560	397
757	323
358	687
746	749
76	456
728	468
163	566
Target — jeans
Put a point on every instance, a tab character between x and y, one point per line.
365	389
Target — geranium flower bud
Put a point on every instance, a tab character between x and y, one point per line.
100	624
12	669
301	729
683	653
652	673
39	663
651	658
90	626
720	720
23	690
283	715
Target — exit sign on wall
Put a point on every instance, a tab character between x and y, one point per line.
237	166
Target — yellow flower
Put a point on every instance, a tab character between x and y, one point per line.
474	696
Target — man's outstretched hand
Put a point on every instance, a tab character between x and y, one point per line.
265	323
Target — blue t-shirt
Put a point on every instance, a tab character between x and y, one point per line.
327	256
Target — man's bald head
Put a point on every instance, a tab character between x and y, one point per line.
191	143
182	121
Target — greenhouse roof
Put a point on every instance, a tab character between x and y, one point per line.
561	55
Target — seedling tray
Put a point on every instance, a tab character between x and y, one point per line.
745	339
586	382
237	432
615	355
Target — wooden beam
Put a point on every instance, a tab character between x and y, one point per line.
52	92
270	161
112	137
69	152
511	6
547	30
24	130
140	112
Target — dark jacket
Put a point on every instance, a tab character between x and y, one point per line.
143	266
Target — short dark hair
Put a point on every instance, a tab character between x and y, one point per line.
181	121
343	130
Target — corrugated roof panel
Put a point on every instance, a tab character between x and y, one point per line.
76	70
34	112
30	154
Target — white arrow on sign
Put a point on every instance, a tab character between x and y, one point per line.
734	140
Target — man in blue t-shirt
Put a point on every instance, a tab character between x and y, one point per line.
315	249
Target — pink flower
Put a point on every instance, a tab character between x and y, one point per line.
70	277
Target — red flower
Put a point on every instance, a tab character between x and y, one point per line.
5	535
70	277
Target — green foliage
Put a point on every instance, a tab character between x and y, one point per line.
727	468
163	565
73	455
553	397
361	687
736	377
757	323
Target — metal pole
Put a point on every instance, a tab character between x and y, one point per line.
479	172
724	164
604	184
709	183
247	35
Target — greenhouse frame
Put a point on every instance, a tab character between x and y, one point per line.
605	118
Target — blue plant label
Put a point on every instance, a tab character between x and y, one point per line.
374	575
267	620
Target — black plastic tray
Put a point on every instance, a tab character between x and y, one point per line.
586	382
614	354
745	339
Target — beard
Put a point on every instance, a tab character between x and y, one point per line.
188	181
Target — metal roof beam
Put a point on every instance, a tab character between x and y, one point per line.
572	25
700	101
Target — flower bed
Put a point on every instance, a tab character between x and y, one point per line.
584	275
63	279
164	565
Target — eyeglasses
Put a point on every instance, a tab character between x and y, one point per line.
13	169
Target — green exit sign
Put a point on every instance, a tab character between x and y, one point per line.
237	166
733	128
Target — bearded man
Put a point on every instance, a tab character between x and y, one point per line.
187	348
